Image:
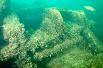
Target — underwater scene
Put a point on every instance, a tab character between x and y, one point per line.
51	33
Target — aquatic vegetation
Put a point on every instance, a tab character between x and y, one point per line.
73	58
92	42
76	58
53	37
97	61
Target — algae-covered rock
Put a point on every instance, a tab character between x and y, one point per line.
54	37
13	30
97	61
14	34
53	22
75	58
71	16
92	42
51	27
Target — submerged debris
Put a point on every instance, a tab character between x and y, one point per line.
55	36
75	58
14	35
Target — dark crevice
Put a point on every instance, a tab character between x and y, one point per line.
8	64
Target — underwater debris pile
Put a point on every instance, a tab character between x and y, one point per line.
15	35
53	37
75	58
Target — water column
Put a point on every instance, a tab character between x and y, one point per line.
4	10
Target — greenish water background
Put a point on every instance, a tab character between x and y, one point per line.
30	11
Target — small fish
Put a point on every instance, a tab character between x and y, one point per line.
90	8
